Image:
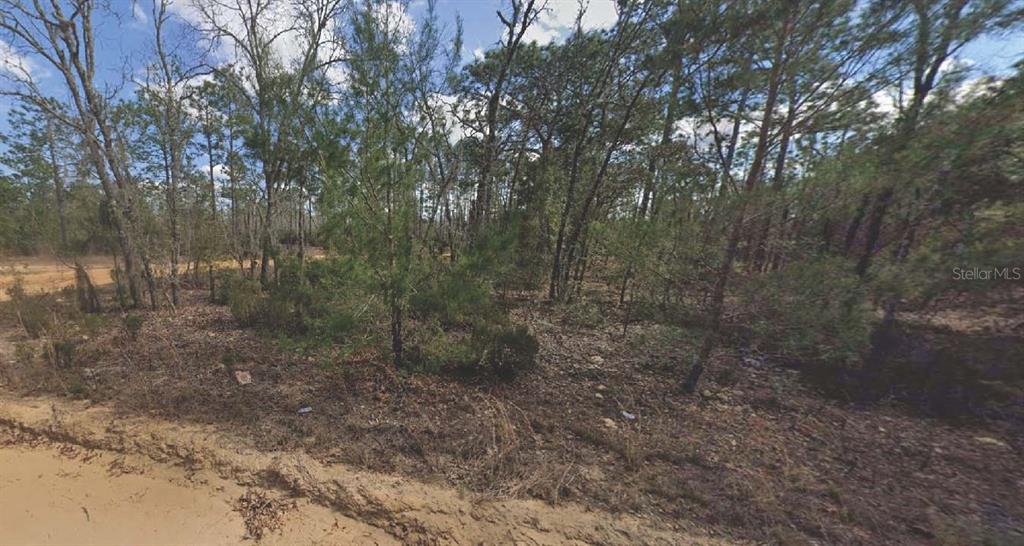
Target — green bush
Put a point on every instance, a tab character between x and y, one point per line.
582	313
245	299
61	353
510	351
33	312
453	297
132	326
503	351
811	311
224	279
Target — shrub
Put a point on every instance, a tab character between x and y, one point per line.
815	310
32	311
61	353
582	313
507	351
245	299
132	326
224	279
455	298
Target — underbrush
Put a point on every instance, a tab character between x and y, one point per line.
49	357
453	323
811	312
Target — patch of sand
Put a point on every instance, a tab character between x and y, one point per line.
84	497
49	274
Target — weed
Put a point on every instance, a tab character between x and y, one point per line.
132	326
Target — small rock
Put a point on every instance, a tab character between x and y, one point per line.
599	396
628	416
602	388
596	359
990	441
305	409
243	377
753	361
608	423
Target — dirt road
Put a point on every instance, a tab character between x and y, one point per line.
72	496
71	473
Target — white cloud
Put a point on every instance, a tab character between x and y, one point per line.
14	63
478	53
277	20
138	13
559	19
396	19
976	87
886	102
448	105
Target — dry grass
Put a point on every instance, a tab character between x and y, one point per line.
799	468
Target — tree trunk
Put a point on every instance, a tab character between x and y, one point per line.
692	379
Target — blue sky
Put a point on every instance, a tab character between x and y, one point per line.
124	38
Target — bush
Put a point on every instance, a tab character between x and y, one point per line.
132	326
811	311
245	299
582	313
510	351
61	353
224	279
33	312
455	298
503	351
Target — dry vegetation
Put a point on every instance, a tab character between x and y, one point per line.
761	453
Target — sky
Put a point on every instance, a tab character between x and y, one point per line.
125	38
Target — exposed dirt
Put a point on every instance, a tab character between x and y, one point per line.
59	493
75	474
760	455
49	274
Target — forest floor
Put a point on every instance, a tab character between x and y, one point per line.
596	445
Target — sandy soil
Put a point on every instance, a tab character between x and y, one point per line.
48	274
69	496
75	474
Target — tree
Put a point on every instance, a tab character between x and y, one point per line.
62	35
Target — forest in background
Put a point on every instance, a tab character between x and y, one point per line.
802	164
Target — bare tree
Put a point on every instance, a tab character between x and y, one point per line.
61	34
271	90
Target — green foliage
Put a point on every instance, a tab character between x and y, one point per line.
60	353
508	351
133	325
24	353
33	312
223	278
812	311
245	299
455	297
583	313
501	350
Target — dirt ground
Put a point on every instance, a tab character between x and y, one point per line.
60	493
599	429
74	473
49	274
